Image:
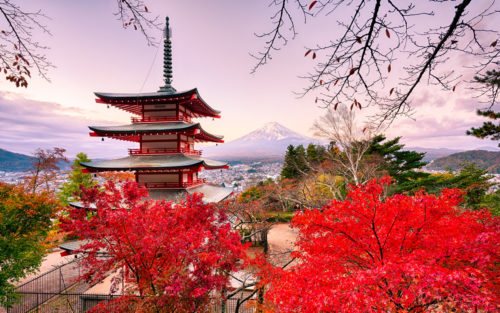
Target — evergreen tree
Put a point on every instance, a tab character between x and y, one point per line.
312	154
491	83
70	191
295	162
289	170
402	165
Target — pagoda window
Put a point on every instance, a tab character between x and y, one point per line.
184	138
146	138
159	145
162	113
157	178
154	107
184	178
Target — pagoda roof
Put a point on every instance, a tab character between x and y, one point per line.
133	102
153	162
155	128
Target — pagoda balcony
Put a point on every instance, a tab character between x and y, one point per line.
175	185
163	151
159	119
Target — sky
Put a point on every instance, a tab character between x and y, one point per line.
212	42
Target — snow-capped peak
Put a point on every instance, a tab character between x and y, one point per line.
272	131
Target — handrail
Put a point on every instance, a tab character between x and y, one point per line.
152	119
171	185
163	151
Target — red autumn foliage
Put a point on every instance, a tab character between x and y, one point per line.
173	257
403	253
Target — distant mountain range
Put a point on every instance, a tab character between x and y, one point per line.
266	143
14	162
485	159
17	162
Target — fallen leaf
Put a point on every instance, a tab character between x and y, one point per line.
494	43
358	39
321	82
389	68
454	88
314	55
336	105
338	60
387	33
390	92
307	53
336	82
353	70
146	8
312	4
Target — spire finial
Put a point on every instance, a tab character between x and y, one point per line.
167	59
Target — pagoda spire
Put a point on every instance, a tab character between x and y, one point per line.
167	60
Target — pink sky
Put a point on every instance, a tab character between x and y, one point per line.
211	45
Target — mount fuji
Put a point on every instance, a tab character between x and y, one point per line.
266	143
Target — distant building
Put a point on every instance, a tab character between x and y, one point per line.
166	162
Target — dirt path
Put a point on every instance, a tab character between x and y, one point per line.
281	240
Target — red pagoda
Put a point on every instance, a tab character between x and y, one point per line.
166	162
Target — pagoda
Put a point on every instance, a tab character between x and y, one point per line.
166	161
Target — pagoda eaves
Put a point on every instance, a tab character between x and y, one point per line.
134	102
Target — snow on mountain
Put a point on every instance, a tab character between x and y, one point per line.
272	131
267	142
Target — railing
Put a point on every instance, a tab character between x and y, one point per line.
174	185
40	289
77	302
154	119
163	151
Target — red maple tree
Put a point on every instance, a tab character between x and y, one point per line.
173	257
399	254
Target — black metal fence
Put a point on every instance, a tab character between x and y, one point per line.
42	288
55	292
67	302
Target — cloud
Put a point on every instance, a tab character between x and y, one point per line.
30	124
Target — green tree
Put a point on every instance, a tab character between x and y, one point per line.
490	83
402	165
70	190
25	219
471	178
295	163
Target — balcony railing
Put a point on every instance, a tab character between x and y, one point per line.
155	119
174	185
163	151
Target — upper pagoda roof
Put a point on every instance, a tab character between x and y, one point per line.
154	128
152	162
134	102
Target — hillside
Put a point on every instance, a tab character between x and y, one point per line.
486	159
14	162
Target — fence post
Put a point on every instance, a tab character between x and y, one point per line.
60	279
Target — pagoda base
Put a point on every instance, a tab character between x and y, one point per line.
211	193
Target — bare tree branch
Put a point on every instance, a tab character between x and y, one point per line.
384	36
